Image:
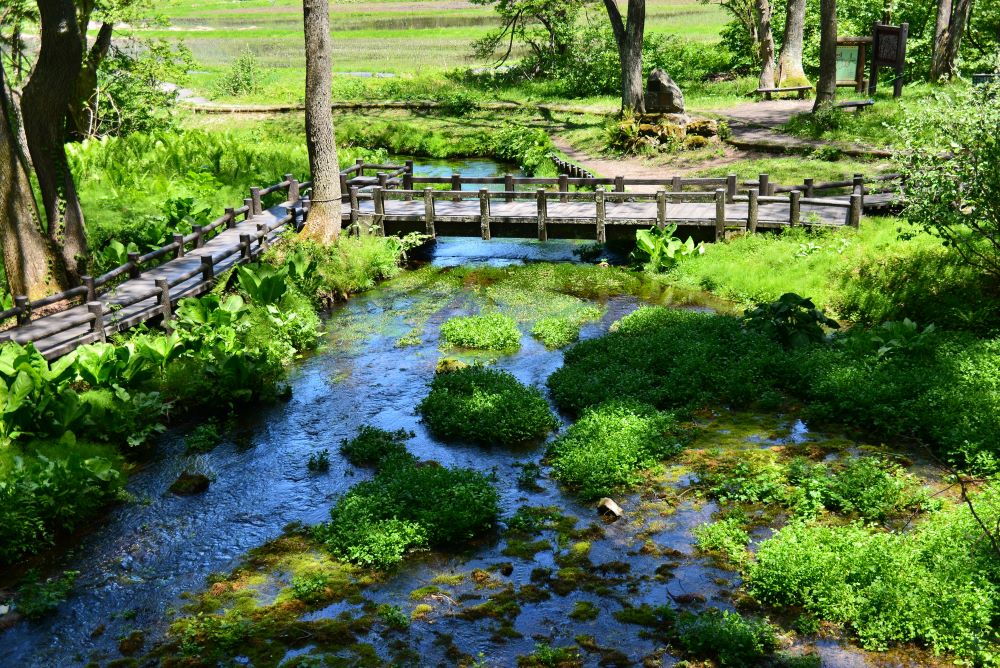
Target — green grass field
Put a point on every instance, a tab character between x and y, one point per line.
398	37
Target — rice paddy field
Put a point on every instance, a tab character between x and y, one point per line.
394	39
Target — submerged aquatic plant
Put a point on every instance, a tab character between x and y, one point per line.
491	331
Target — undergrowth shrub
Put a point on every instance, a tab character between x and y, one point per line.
726	636
556	332
726	537
611	444
409	505
936	584
484	405
670	359
490	331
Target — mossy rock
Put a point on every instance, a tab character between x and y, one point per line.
694	142
448	364
703	127
188	483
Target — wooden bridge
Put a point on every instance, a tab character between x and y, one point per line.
148	286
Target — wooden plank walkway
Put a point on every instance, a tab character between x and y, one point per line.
139	299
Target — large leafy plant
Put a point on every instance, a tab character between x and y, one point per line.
262	283
658	250
791	320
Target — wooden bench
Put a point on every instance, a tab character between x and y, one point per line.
856	105
799	90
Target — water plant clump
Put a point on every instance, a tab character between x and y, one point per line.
732	639
492	331
406	506
484	405
611	444
372	445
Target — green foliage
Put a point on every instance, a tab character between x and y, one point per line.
372	446
263	284
547	656
611	444
394	617
668	358
556	332
310	587
485	405
245	77
792	321
203	438
490	331
36	597
728	637
528	148
870	489
319	462
936	584
405	506
726	537
659	250
952	183
754	476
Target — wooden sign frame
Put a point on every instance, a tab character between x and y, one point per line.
889	50
862	45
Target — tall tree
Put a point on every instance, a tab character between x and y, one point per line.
790	72
31	265
628	35
546	27
323	223
949	28
44	106
765	43
826	88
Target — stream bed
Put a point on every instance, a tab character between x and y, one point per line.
373	368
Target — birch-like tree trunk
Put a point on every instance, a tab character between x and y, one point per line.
31	265
790	72
826	88
323	223
44	106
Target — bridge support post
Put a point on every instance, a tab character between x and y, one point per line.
730	187
91	287
601	215
24	315
794	209
854	213
563	186
508	186
484	213
383	180
345	187
207	268
230	217
163	285
429	212
763	185
752	211
255	198
619	184
456	185
245	242
179	240
354	211
262	237
378	197
133	265
675	184
661	209
809	186
97	325
859	186
720	214
543	215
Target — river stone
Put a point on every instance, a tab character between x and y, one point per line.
663	95
609	508
190	483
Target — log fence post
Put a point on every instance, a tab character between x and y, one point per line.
456	185
408	179
207	268
752	210
199	239
262	236
854	213
484	213
166	308
794	208
720	214
809	186
179	240
230	217
601	214
245	242
255	197
763	185
661	209
248	203
133	265
429	212
97	324
293	188
619	184
383	180
508	186
730	187
543	215
675	184
355	212
24	314
91	286
378	197
563	186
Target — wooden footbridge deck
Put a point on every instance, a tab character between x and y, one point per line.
148	287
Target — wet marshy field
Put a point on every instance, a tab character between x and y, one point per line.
235	570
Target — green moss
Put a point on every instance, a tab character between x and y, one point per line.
525	549
584	611
452	580
484	405
492	331
424	592
421	611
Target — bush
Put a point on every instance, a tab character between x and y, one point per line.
372	446
937	584
607	448
245	77
726	537
726	636
38	597
408	505
871	489
792	321
667	358
556	332
753	476
492	331
484	405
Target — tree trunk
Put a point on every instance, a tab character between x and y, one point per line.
959	19
32	266
940	45
83	106
790	72
44	105
765	44
628	35
323	223
826	88
949	28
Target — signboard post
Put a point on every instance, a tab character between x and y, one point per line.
851	56
889	50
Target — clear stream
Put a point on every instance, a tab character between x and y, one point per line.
135	566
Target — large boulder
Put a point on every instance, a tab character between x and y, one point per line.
663	95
